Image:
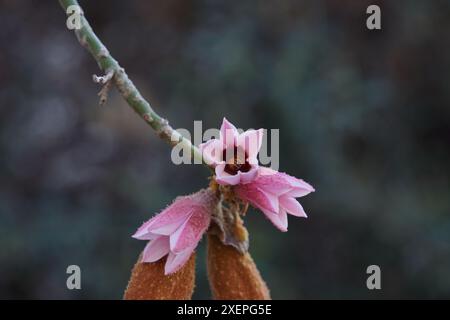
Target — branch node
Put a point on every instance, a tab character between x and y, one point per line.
106	81
165	130
103	53
148	117
103	79
82	39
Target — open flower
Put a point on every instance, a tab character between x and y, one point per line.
176	231
233	155
274	194
270	191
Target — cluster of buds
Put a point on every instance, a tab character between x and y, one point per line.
166	267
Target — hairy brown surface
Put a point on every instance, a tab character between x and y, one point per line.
233	275
148	281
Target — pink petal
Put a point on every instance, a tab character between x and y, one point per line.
301	189
283	219
280	183
143	234
166	226
251	142
278	219
190	233
298	192
225	178
156	249
292	206
274	182
249	176
172	217
176	261
296	183
228	134
212	151
258	198
265	171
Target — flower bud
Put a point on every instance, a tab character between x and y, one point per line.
148	281
233	275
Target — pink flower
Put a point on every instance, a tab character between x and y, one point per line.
177	230
270	191
274	194
234	155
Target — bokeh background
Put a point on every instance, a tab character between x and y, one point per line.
363	115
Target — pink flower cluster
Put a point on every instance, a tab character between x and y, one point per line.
176	231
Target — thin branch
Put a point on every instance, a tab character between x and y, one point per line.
114	72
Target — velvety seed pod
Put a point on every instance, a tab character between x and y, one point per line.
148	281
233	275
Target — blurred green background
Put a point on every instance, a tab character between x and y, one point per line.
363	115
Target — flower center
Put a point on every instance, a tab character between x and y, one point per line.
236	160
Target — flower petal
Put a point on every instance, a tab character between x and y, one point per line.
283	218
272	181
249	176
190	233
212	151
225	178
278	219
295	182
228	134
167	225
251	141
266	171
175	261
292	206
156	249
258	198
168	221
142	233
301	188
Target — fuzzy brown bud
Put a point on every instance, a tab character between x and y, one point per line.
148	281
233	275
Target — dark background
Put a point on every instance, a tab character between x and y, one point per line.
363	115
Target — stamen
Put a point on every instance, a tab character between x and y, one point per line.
237	160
